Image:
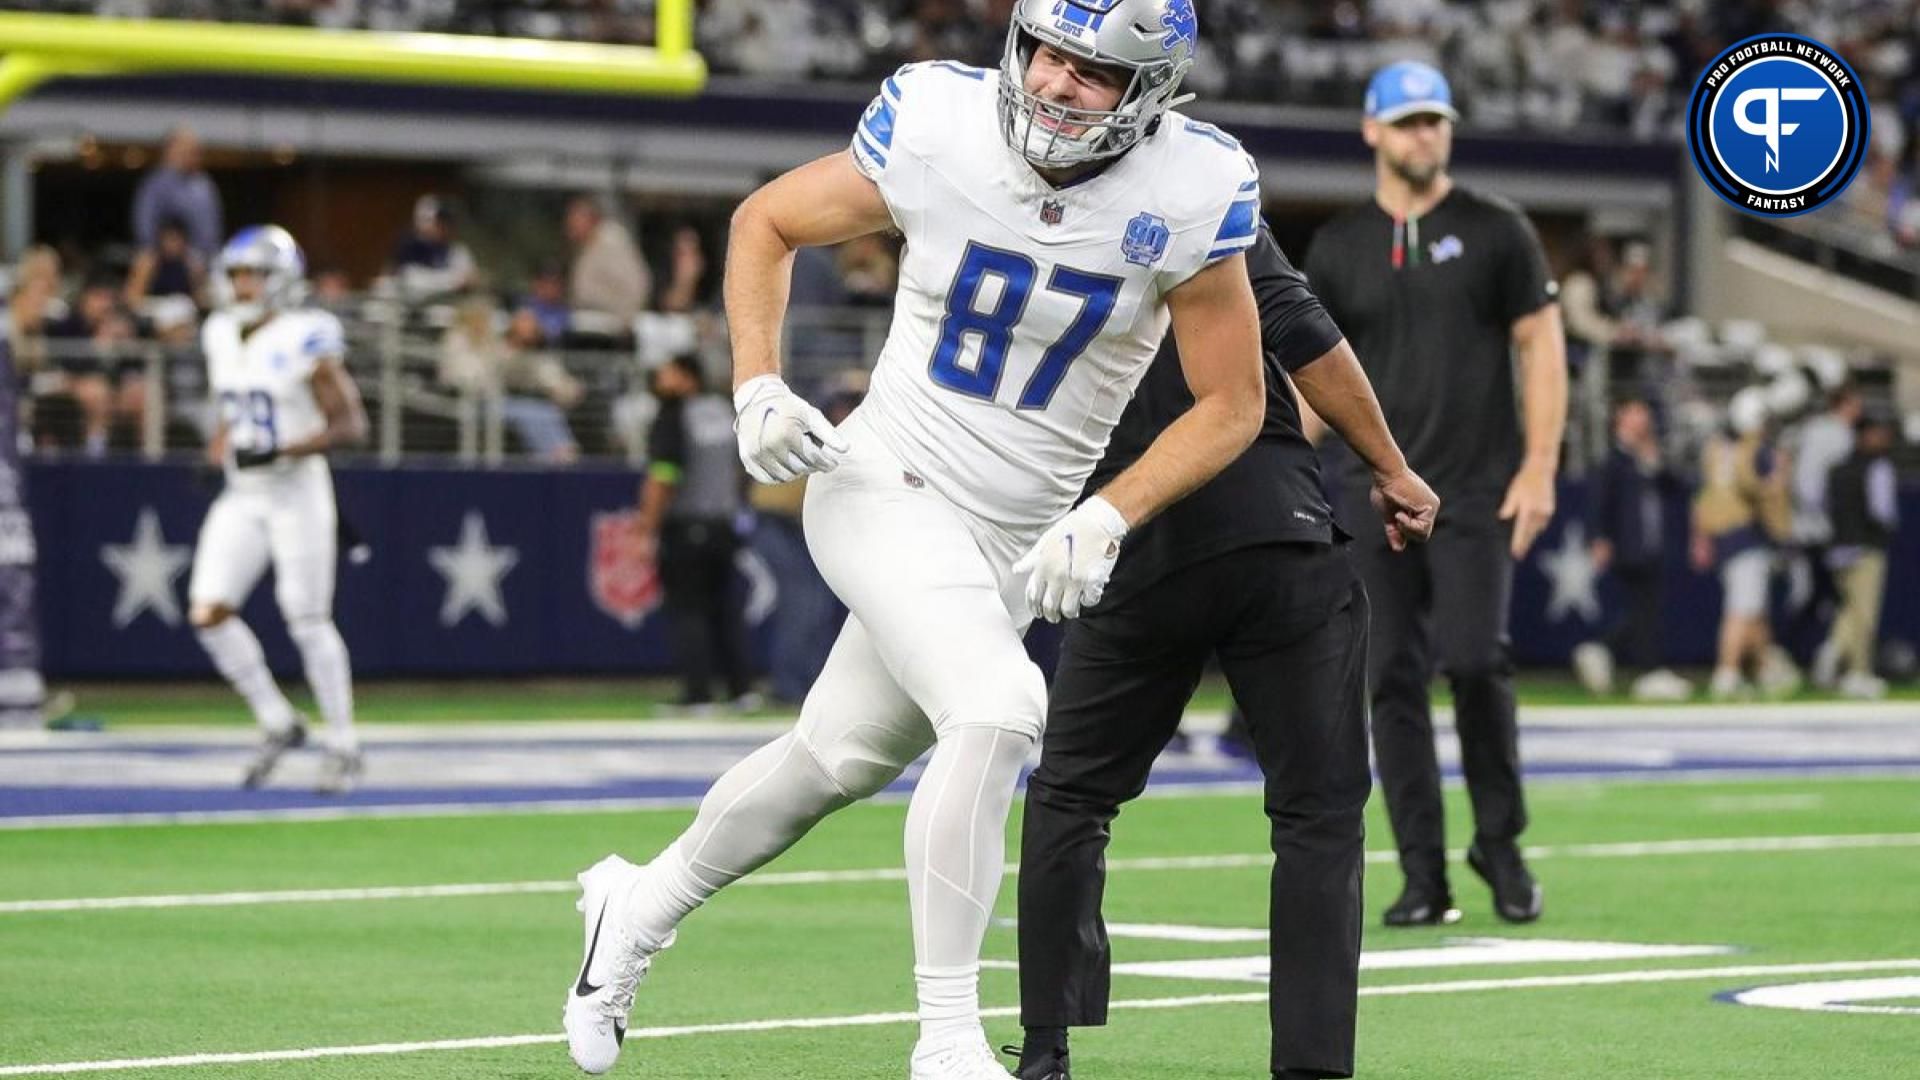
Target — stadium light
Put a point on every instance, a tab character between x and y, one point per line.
41	47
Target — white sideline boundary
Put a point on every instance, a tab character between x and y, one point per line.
495	1042
642	804
1630	850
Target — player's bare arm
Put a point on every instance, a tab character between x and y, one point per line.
1339	394
825	201
339	401
217	445
1217	327
1541	341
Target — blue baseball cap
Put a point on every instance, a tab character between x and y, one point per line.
1409	88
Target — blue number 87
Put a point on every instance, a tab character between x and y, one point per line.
994	327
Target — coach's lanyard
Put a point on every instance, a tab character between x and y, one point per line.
1406	240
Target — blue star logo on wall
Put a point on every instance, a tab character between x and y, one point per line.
147	567
1574	578
473	569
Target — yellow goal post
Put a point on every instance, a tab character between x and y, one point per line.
36	47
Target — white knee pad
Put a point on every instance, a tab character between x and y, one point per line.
861	759
1011	699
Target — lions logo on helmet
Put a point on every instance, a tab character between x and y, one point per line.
1182	26
1154	40
271	252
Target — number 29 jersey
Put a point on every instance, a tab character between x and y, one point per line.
262	386
1026	314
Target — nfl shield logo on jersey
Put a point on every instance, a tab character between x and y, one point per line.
1051	211
622	576
1146	239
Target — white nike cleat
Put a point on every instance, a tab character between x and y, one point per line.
273	747
601	997
965	1058
340	772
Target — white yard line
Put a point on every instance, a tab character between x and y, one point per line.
1644	849
1458	986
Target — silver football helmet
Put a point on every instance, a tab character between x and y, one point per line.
275	255
1152	39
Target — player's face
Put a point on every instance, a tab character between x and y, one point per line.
1060	79
247	284
1417	148
1633	423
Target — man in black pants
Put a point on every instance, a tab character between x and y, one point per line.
1251	567
1627	536
1440	287
687	508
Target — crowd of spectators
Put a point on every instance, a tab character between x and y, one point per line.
81	336
1789	457
1554	64
550	360
1557	66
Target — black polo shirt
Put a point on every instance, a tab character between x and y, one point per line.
1434	332
1272	493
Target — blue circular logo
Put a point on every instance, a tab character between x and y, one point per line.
1778	125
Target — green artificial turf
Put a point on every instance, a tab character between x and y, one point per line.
103	984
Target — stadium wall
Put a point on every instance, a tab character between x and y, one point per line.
528	572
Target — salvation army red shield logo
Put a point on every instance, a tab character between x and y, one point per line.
622	574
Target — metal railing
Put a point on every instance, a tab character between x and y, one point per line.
597	385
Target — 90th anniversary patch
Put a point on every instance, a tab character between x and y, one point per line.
1778	125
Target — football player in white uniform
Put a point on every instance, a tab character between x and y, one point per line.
1057	217
285	399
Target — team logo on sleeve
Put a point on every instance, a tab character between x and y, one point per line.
1778	125
1145	240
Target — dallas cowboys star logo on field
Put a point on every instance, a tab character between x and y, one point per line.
147	567
1575	580
473	568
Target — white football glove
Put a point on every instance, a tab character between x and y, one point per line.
1071	562
781	436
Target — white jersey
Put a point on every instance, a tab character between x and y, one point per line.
262	386
1027	314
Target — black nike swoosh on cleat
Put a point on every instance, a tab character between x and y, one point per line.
581	987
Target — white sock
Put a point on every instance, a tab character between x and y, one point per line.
330	674
956	847
236	655
949	1003
673	892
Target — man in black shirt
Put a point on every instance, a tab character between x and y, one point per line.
1439	286
687	507
1251	567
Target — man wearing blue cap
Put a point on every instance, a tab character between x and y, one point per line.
1440	288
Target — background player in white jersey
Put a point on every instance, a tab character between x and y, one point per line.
284	397
1056	217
